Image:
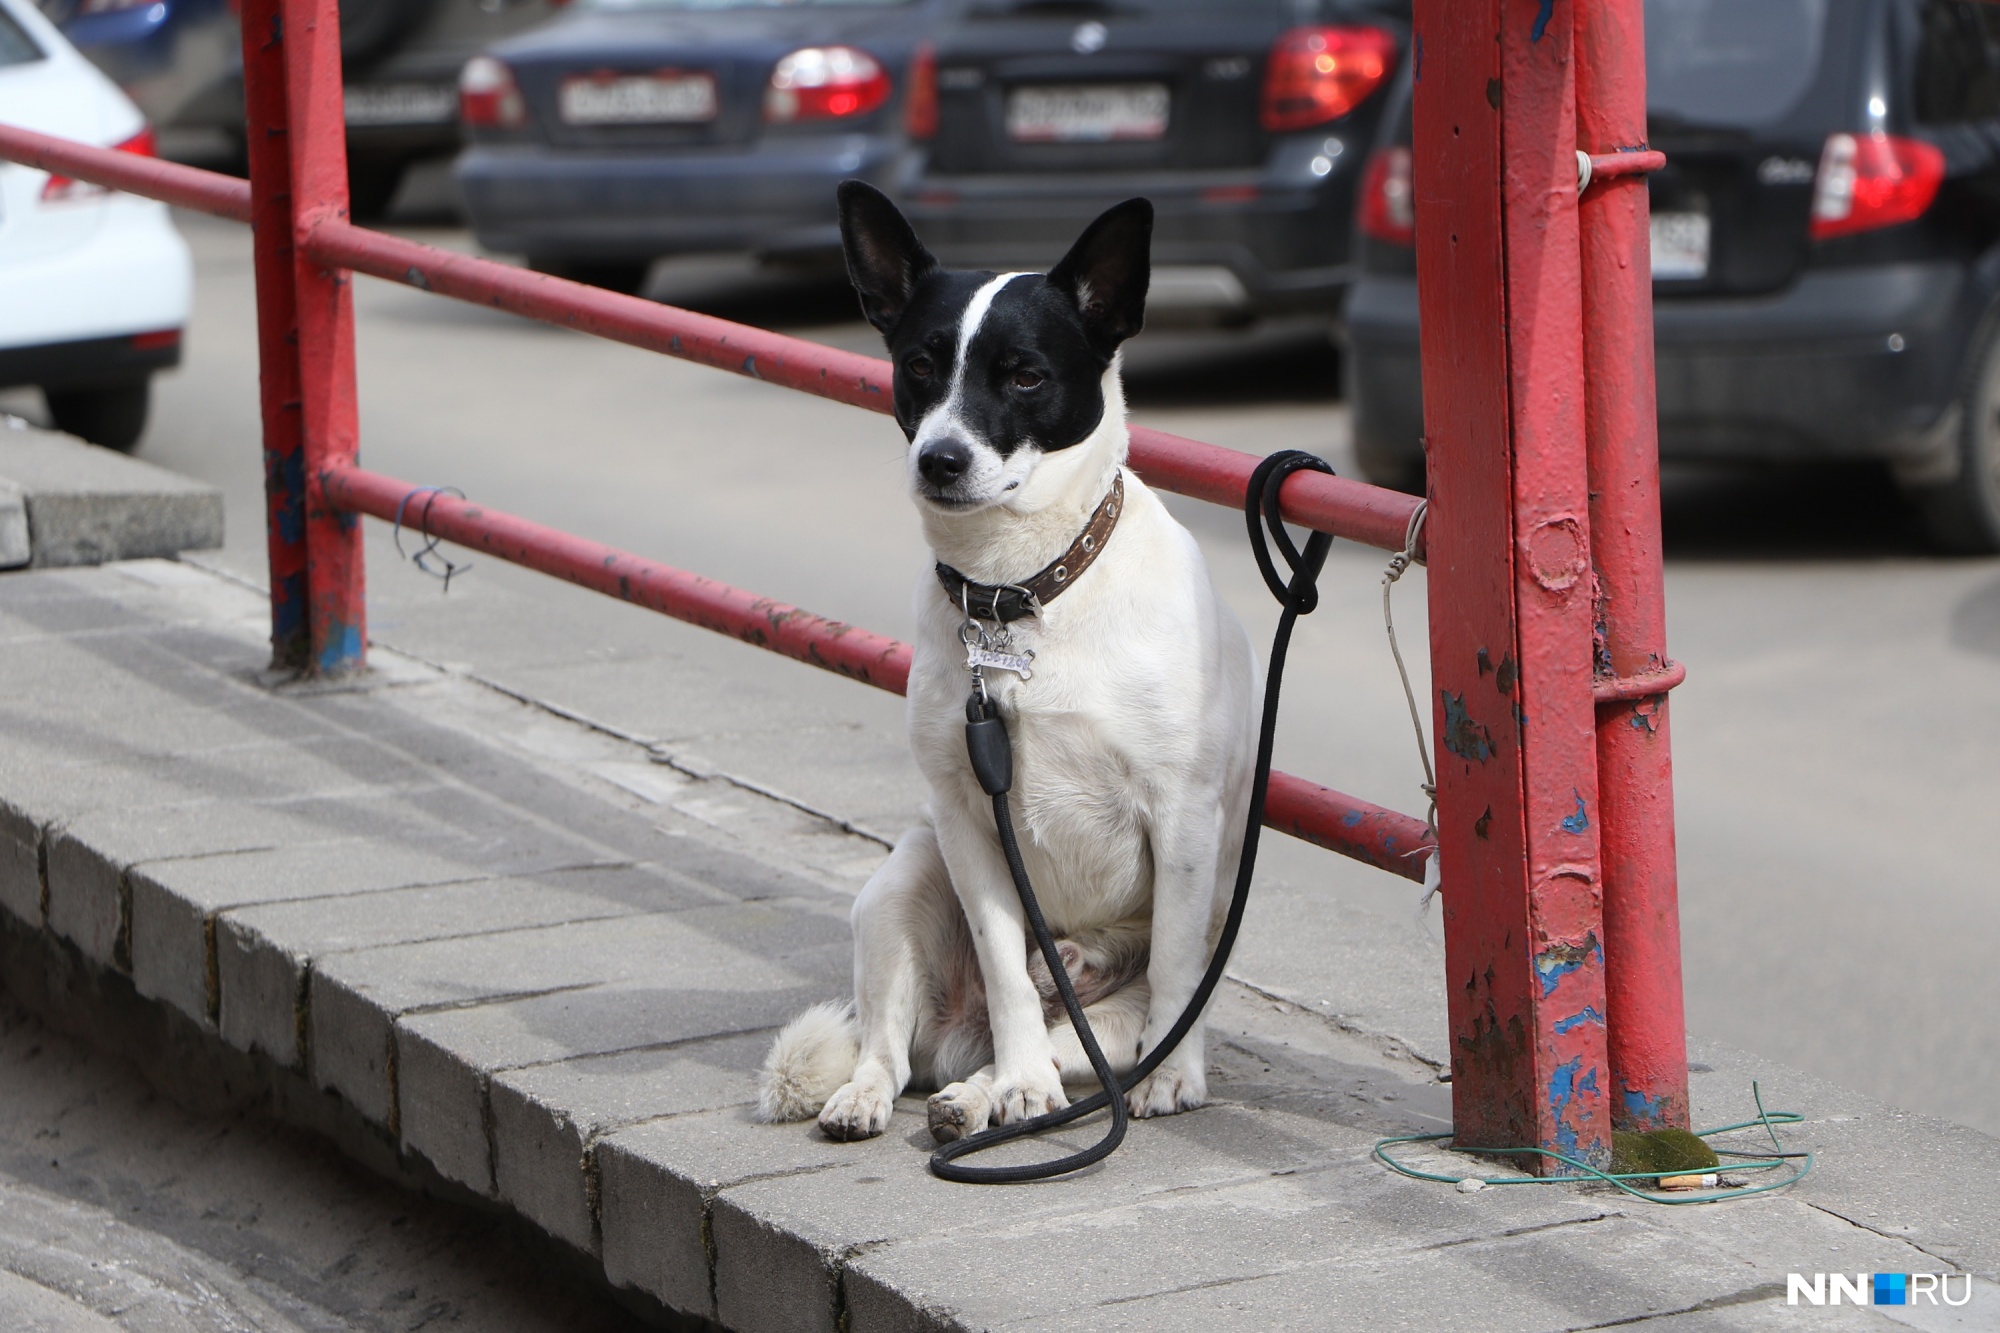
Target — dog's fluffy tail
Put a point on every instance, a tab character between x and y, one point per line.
814	1054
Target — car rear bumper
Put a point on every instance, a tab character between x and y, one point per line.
1846	363
776	196
133	274
90	363
1242	242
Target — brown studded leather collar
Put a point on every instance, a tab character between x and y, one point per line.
1017	601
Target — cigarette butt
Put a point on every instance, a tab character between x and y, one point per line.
1700	1182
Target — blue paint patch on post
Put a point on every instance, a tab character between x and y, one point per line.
288	608
1563	1085
342	651
1578	822
1588	1014
287	475
1643	1110
1351	819
1542	20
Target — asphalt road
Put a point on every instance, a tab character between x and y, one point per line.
121	1211
1836	742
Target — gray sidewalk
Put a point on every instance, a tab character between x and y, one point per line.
546	959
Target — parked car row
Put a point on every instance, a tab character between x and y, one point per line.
181	62
1825	238
630	129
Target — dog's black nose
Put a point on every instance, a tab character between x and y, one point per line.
944	461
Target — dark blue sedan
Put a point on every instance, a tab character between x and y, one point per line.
629	130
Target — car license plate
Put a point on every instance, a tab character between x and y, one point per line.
638	99
401	104
1680	246
1088	113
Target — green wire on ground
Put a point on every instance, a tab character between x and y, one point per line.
1800	1162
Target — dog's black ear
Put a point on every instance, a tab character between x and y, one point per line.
1107	271
885	260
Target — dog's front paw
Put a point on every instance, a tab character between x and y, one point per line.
1027	1097
958	1111
1168	1089
856	1111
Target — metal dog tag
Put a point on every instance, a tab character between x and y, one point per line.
977	656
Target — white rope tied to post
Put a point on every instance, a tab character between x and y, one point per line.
1399	564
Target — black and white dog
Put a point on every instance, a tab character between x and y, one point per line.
1133	724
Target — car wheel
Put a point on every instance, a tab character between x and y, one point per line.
1963	515
624	276
114	416
371	188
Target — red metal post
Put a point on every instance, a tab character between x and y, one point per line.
1642	935
1497	264
335	601
266	121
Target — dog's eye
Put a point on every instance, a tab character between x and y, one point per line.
920	366
1026	379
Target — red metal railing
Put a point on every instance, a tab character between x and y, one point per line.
1561	930
1367	514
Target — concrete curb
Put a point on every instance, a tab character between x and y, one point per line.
414	908
65	502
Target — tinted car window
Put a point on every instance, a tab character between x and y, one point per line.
1958	65
16	47
1731	62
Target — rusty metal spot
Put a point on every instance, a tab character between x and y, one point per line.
1485	662
1495	1048
1556	553
1493	93
1481	825
1509	675
1559	960
1462	736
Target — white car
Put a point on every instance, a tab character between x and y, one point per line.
94	284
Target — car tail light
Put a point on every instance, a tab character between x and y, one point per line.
63	189
1868	181
488	95
1388	203
920	104
1321	74
825	83
155	341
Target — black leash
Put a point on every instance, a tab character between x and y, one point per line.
992	756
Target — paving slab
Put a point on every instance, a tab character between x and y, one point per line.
175	904
264	953
86	505
547	1119
692	974
356	999
658	1182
